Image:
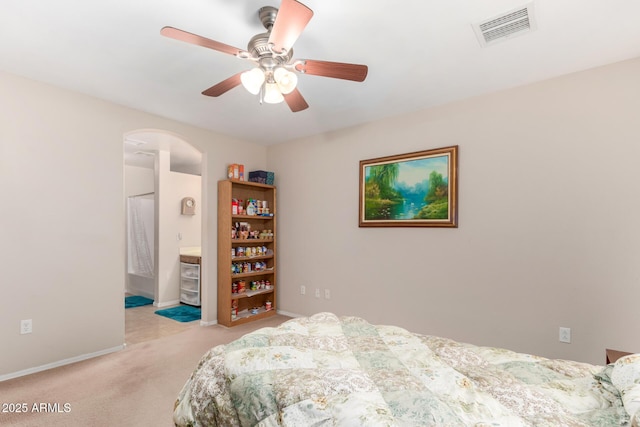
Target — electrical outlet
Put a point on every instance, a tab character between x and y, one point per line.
26	326
303	290
327	294
565	335
317	292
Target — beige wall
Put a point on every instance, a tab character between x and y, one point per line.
189	226
62	238
179	185
548	233
138	180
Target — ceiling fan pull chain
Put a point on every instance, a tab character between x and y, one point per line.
261	95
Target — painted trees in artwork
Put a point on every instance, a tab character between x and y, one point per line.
380	194
383	177
437	199
392	192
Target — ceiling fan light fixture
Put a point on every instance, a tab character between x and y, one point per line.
252	80
272	94
285	79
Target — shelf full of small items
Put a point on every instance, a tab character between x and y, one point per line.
246	251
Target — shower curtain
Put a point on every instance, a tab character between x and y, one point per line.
140	217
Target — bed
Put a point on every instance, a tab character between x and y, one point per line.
326	370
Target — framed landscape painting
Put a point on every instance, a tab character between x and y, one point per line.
410	190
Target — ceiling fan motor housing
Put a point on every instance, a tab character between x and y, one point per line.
267	16
259	47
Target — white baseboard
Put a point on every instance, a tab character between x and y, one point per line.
287	313
140	285
211	323
60	363
142	293
167	304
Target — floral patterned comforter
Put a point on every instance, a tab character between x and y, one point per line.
326	370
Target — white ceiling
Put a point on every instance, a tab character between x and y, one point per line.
141	147
420	54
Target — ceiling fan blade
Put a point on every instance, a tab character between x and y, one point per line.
295	101
336	70
224	86
184	36
291	19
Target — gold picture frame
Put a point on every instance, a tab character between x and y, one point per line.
418	189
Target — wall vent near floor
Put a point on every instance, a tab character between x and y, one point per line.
514	23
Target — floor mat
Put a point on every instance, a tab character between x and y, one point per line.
182	313
136	301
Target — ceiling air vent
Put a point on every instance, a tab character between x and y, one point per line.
514	23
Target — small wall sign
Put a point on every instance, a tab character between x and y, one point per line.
188	206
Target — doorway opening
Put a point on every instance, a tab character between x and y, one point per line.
161	170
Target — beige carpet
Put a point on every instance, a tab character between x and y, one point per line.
133	387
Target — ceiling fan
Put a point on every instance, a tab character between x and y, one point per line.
274	77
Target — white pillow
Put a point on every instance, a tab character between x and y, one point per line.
626	378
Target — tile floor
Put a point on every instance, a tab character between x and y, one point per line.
142	324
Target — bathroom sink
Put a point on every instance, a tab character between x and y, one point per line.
191	251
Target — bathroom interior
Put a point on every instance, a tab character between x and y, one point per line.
163	194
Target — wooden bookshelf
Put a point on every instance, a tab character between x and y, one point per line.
251	304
